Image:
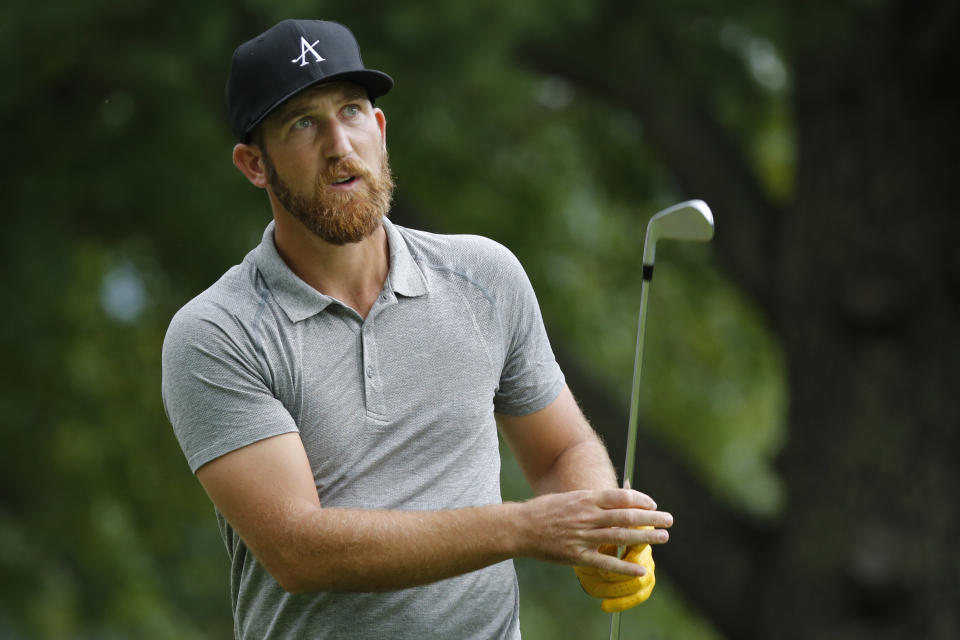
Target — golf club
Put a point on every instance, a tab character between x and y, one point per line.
691	221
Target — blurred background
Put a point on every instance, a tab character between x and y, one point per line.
799	413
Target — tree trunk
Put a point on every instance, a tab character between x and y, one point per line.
868	310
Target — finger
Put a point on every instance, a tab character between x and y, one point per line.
612	605
625	536
642	556
602	589
624	499
607	550
633	518
645	519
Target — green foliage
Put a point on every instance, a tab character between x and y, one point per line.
122	204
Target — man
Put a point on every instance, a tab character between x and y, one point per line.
338	393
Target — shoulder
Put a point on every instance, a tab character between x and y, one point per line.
476	258
223	310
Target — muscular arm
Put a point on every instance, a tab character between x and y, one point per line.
559	451
557	448
267	493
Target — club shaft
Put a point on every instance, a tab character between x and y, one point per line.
615	626
690	220
631	453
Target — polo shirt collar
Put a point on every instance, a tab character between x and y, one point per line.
405	276
300	301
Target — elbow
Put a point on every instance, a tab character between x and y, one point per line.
297	576
293	579
291	561
291	583
290	573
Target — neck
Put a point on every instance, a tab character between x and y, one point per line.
353	273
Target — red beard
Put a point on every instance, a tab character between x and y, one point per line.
339	217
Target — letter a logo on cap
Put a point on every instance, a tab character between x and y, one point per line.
304	48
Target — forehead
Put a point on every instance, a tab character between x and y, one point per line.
332	91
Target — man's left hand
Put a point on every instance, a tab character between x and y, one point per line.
618	591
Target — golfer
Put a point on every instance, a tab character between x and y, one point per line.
338	393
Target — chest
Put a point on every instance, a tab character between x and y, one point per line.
406	394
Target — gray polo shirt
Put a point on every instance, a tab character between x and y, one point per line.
395	412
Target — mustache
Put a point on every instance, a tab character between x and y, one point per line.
350	165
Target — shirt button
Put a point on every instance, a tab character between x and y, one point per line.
384	297
370	371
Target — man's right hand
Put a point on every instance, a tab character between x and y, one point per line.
571	527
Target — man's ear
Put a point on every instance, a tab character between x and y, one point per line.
382	124
249	159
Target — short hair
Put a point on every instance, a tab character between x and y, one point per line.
257	139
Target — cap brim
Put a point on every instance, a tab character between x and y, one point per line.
376	83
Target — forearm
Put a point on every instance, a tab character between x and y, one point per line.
332	549
585	465
329	549
557	448
267	492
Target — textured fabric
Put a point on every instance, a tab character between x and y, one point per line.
395	412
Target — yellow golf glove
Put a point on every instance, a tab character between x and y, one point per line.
618	591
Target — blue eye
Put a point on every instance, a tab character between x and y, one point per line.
302	123
351	110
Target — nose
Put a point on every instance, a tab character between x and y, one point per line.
337	144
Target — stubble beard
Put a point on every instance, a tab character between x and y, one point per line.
339	217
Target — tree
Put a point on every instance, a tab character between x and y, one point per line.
857	274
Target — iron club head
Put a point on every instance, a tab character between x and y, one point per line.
690	220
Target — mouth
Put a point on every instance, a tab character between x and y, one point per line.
347	180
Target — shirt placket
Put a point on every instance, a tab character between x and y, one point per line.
373	382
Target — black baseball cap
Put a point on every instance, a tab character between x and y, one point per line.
286	59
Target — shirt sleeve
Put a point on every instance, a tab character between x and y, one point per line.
531	378
214	387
